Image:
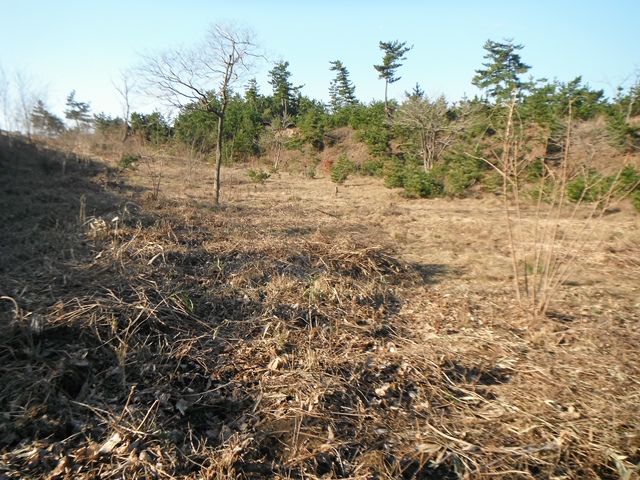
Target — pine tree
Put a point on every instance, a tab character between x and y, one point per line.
394	52
46	122
284	93
501	77
78	111
342	93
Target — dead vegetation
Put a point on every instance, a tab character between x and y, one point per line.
292	333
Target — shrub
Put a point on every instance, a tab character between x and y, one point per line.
342	169
577	190
258	176
373	167
629	180
492	182
458	174
128	161
589	187
635	199
419	184
394	173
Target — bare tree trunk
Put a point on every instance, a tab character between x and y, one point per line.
216	193
124	89
386	102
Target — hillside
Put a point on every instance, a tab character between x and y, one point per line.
298	331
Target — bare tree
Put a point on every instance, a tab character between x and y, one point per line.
203	74
432	122
125	88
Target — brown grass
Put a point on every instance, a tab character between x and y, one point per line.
296	333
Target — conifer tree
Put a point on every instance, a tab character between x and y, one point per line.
342	93
501	77
78	111
46	122
284	93
394	52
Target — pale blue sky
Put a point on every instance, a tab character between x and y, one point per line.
83	45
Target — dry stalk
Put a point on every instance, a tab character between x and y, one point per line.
542	258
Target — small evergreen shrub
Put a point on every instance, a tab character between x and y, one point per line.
588	187
342	169
458	174
628	180
635	199
394	174
373	168
128	161
419	184
258	176
492	182
535	170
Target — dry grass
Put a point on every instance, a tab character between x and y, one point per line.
295	333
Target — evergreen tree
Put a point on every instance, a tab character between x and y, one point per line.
106	124
78	112
394	52
284	93
255	101
150	127
312	122
45	122
417	92
252	93
501	77
342	93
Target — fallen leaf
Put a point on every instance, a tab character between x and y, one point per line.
110	444
428	447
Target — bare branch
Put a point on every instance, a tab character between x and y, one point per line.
203	74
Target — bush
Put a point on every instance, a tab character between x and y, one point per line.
128	161
629	180
342	169
419	184
635	199
394	173
258	176
584	188
458	174
622	135
373	168
492	182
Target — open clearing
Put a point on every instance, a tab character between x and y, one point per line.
296	332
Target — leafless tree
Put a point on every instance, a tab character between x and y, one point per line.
125	88
203	74
19	93
27	93
432	123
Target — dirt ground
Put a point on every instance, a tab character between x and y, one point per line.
300	331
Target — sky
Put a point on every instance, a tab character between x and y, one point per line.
56	46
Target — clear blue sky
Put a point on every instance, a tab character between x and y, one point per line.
83	45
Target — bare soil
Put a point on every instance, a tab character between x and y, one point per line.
298	331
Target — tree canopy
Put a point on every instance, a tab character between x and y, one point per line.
342	92
77	111
204	74
394	52
503	70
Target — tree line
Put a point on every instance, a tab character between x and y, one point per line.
427	145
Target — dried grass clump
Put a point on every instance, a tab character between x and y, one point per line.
246	342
